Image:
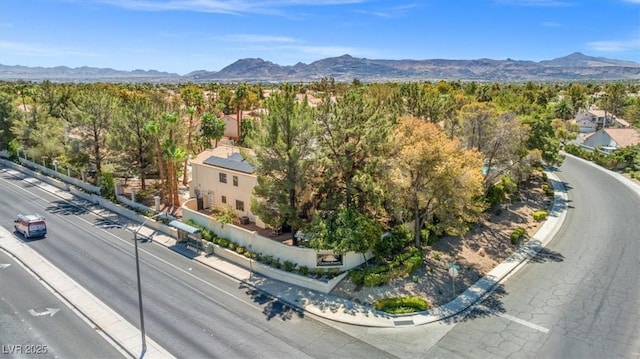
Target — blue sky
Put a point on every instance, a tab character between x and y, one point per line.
186	35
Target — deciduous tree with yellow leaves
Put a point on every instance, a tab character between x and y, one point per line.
436	177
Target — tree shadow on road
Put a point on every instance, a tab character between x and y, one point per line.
272	307
547	255
483	308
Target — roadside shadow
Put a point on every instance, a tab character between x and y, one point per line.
26	240
178	248
547	255
484	308
65	208
272	307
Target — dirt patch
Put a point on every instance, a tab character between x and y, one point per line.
486	245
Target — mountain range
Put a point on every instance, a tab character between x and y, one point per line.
574	67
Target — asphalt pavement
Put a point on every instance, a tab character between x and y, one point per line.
315	303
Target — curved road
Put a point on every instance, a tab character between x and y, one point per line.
579	298
191	310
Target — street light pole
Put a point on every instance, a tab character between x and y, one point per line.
135	244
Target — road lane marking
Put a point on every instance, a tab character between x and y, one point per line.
513	319
128	243
50	312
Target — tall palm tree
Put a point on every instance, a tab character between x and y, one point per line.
240	99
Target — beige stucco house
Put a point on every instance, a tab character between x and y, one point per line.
222	176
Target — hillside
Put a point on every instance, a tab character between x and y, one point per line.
574	67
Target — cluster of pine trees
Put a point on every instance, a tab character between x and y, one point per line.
368	157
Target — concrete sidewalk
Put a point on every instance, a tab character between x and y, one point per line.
341	310
316	303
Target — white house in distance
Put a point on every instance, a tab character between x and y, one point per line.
610	139
222	176
593	119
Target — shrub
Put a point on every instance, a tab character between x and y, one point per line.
517	234
540	215
206	235
289	266
240	249
357	276
232	246
333	272
266	259
276	263
414	263
376	279
401	305
397	239
548	190
223	242
304	270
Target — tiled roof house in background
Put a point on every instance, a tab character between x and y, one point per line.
610	139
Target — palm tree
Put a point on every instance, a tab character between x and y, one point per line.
240	99
153	130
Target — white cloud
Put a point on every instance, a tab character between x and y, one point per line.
222	6
615	45
551	24
40	50
255	38
546	3
391	12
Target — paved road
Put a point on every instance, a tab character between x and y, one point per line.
34	323
191	310
580	298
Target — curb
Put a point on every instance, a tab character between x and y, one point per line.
342	310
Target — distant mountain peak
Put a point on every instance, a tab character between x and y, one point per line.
573	67
578	59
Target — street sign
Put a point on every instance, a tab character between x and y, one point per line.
453	269
453	272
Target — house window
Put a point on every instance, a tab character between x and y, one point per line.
223	178
224	199
239	205
235	181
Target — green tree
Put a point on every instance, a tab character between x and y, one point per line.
193	100
345	230
211	128
632	113
542	137
127	136
94	109
8	114
563	110
613	100
576	94
353	145
283	144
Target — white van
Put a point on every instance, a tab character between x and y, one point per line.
30	225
